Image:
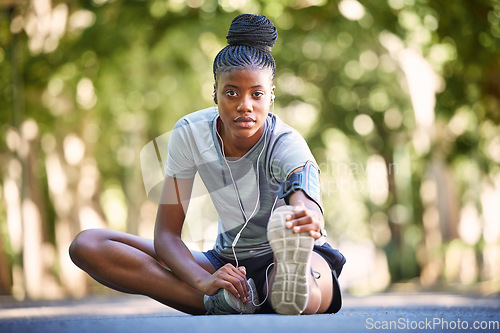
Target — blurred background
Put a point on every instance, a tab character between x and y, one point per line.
399	101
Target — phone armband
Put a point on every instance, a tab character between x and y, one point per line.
305	180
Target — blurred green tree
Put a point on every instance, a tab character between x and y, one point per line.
398	99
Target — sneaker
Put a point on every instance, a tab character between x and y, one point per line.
292	252
224	302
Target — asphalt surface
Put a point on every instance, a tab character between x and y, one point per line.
422	312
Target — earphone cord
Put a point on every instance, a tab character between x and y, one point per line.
233	245
267	270
267	288
247	219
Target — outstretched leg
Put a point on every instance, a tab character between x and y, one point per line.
320	286
301	280
320	282
129	263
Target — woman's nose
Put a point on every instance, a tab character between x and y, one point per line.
245	104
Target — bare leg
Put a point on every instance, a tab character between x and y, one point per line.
320	285
129	264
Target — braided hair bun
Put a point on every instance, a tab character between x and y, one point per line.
250	41
252	30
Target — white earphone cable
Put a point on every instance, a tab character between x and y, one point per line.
267	288
247	219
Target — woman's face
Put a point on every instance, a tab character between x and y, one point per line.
244	97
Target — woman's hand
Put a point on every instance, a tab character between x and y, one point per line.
230	278
304	220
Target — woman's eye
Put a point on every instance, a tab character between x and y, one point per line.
231	93
258	94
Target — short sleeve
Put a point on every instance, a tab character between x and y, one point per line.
289	152
180	160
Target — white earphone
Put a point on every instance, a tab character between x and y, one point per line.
247	219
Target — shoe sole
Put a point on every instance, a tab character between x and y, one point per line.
292	251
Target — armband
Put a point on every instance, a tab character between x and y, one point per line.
306	180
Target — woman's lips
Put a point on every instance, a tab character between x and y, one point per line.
244	121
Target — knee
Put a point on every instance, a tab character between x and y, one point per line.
84	246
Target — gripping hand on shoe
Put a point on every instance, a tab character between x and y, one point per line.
306	217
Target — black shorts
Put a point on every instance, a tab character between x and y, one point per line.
256	269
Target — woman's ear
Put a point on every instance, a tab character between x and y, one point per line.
214	95
272	93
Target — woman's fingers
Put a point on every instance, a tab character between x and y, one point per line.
234	280
301	218
304	220
312	228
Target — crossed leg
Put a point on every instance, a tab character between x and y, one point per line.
129	264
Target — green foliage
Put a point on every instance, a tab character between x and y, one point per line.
123	72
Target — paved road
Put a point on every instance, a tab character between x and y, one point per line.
384	313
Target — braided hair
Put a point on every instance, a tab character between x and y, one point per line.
250	41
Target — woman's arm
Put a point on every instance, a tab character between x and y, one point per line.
174	253
307	216
170	217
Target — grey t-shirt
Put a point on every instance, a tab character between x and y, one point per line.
193	147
